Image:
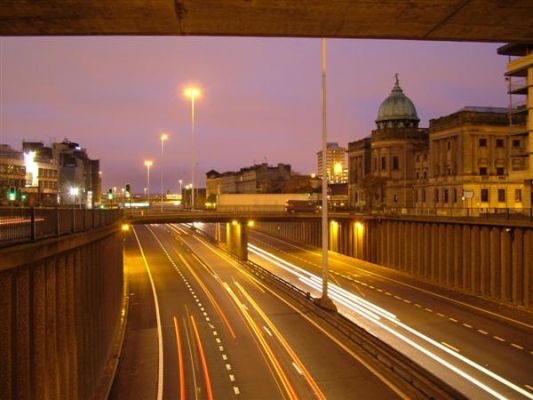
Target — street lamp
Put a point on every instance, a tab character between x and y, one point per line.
148	164
163	138
192	93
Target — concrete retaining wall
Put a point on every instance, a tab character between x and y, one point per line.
489	260
60	306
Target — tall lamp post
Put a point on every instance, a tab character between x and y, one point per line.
324	301
148	164
163	138
192	93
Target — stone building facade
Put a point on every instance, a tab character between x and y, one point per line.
463	164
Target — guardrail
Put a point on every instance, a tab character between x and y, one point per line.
30	224
421	382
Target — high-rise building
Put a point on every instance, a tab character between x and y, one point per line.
335	163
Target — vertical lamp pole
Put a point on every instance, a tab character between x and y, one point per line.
324	301
164	138
192	93
148	164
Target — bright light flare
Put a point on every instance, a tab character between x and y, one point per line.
148	163
125	227
164	136
192	92
74	191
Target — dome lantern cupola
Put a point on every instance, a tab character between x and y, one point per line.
397	110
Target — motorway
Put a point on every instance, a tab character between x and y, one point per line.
201	327
481	348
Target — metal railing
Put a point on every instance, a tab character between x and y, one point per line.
489	213
30	224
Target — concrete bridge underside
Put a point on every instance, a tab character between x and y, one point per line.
456	20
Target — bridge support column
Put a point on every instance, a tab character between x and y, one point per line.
237	239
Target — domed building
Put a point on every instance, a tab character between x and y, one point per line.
382	166
397	110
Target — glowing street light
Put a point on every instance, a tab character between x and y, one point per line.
74	192
163	138
148	164
192	93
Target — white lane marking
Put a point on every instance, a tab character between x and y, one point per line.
296	368
452	319
467	325
218	340
440	314
221	348
232	377
418	305
267	331
517	346
236	390
158	318
482	332
499	338
224	357
529	387
451	347
228	367
428	309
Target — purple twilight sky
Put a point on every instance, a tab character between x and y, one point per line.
261	96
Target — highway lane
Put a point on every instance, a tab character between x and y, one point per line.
225	335
490	335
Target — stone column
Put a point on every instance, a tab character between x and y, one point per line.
528	268
518	267
484	267
495	258
475	259
466	258
505	265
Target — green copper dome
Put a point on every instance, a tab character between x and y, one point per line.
397	110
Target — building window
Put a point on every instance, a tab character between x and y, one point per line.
500	171
446	195
516	143
396	198
501	195
436	195
418	157
395	163
455	195
499	142
485	195
449	144
417	174
425	174
483	171
518	195
416	195
482	142
383	163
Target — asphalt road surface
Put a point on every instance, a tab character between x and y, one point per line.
482	348
201	327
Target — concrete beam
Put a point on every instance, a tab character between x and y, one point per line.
458	20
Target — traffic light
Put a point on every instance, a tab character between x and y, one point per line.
23	196
110	194
12	194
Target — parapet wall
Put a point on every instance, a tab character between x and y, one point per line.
489	260
60	312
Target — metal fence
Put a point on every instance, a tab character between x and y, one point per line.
480	213
30	224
